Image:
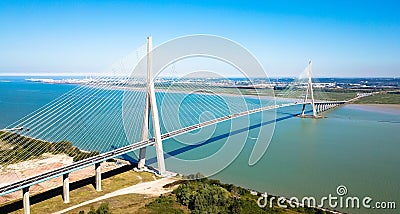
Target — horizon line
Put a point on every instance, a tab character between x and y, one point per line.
98	75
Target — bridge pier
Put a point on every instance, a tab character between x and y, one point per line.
142	157
97	168
25	200
66	188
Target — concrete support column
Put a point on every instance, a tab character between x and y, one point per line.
25	200
142	157
66	188
98	176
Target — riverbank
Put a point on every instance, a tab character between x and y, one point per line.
379	108
385	97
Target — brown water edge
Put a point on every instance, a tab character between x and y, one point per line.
380	108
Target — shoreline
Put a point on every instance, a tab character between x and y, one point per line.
379	108
388	106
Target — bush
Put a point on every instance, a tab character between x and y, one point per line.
102	209
163	204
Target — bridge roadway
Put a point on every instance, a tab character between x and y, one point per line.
123	150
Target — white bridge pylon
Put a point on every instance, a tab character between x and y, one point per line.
309	90
151	103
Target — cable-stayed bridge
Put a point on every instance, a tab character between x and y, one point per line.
96	160
90	118
142	144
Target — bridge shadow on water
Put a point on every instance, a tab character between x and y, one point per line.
57	192
222	136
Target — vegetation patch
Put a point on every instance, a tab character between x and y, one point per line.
102	209
191	196
212	196
16	148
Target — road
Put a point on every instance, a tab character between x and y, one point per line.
154	188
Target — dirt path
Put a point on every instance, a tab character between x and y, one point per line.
154	188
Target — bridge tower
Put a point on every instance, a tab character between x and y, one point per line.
309	90
151	104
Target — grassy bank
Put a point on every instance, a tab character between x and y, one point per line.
381	98
16	148
196	196
212	196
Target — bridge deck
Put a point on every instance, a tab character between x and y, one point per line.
126	149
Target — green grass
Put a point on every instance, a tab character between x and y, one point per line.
88	192
164	204
382	98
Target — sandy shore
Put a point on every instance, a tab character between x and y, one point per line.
382	108
386	106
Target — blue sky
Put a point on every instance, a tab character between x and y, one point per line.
343	38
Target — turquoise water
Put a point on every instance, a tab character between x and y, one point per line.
354	146
19	98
